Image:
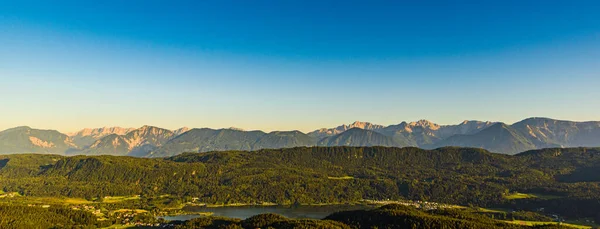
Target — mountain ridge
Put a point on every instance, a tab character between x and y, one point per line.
149	141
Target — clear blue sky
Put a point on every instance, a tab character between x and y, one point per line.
281	65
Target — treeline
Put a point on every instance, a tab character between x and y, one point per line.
311	175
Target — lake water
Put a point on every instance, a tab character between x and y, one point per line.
310	212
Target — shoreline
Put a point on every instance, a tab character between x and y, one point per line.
202	205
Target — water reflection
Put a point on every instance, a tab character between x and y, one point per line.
310	212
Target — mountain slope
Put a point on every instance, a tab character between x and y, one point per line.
181	130
136	143
359	137
27	140
499	138
88	136
531	133
284	139
204	140
327	132
544	132
424	133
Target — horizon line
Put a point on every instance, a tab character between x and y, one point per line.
248	130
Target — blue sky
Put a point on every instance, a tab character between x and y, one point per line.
282	65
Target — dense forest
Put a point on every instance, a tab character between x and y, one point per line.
51	217
560	181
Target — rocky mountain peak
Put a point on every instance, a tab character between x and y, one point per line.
425	124
235	128
364	125
101	132
181	130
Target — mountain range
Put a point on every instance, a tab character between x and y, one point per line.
149	141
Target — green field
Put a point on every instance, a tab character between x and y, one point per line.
69	201
341	178
518	195
534	223
116	199
491	210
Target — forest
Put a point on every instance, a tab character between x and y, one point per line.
562	181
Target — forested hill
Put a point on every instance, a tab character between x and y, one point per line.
311	175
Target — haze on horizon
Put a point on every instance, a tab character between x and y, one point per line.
302	65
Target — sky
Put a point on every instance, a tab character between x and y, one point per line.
295	65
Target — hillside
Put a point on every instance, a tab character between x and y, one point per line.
28	140
544	132
499	138
204	140
88	136
464	176
137	142
358	137
328	132
425	134
284	139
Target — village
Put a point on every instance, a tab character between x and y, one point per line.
425	205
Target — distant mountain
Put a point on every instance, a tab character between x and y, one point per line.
359	137
27	140
137	142
88	136
499	137
327	132
531	133
465	127
205	139
418	133
181	130
284	139
425	134
545	133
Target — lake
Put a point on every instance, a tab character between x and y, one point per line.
244	212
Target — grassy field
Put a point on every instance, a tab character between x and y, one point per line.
131	210
518	195
71	201
76	201
116	199
491	210
45	200
341	178
534	223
